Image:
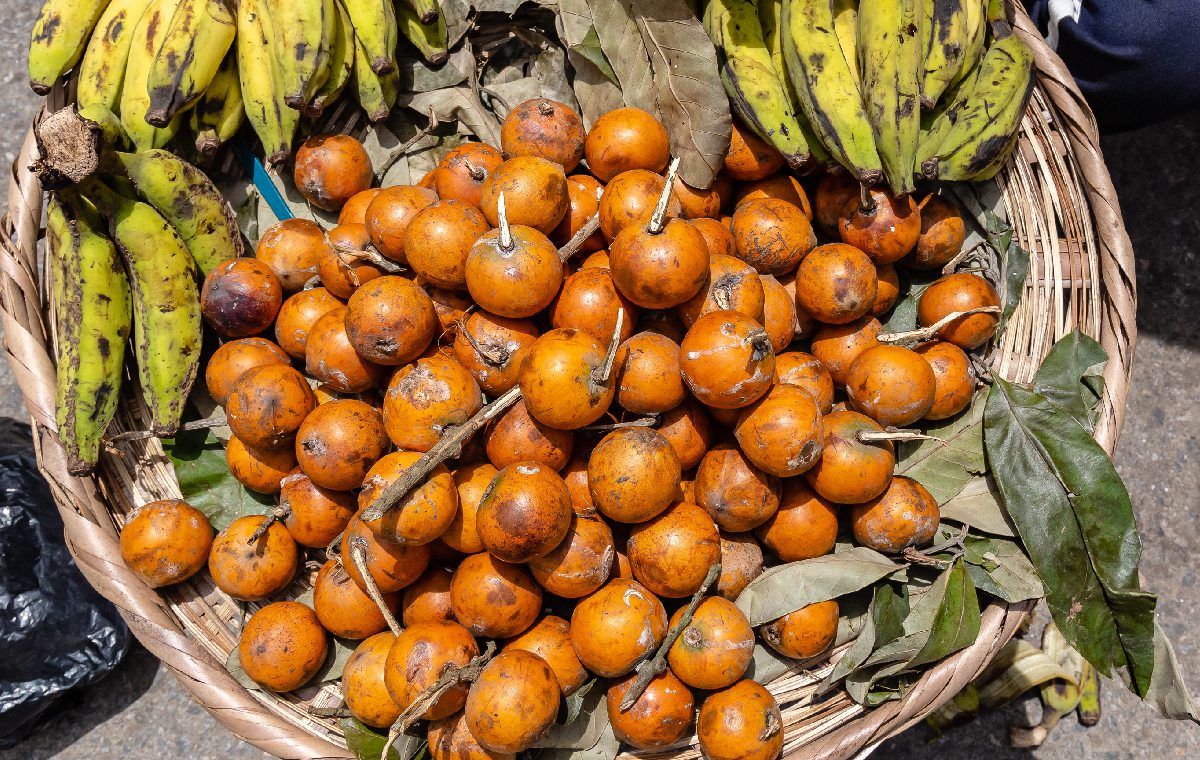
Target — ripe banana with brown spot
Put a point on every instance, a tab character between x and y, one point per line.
769	15
974	37
220	113
92	317
200	34
425	10
889	51
59	37
377	31
102	69
261	85
984	132
829	93
756	88
148	39
845	26
166	302
341	65
186	198
945	40
430	40
303	31
376	92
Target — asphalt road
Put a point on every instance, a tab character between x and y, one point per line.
140	713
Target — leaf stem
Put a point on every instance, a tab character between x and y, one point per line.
448	446
648	670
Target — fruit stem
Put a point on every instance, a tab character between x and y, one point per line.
506	241
602	373
448	446
141	435
926	333
358	555
658	219
348	255
280	512
648	670
586	231
477	173
451	677
402	149
647	422
892	434
494	356
866	203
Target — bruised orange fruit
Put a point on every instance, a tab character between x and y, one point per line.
426	398
772	235
493	598
617	627
953	377
648	379
629	199
389	214
419	657
672	553
492	348
782	187
805	633
292	249
689	431
836	283
252	570
633	475
806	371
258	470
166	542
513	702
732	284
330	357
332	169
428	598
737	494
515	437
562	379
750	157
535	188
343	608
240	298
659	269
660	717
905	515
315	515
524	513
581	562
727	360
338	443
781	433
461	172
550	639
741	562
296	318
780	319
544	128
267	406
892	385
363	687
514	276
422	514
392	566
741	722
234	358
589	301
715	648
837	346
886	230
942	234
958	292
282	646
438	239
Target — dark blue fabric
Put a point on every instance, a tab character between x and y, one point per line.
1136	61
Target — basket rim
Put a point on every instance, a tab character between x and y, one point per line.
91	532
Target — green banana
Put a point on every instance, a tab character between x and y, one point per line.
889	51
166	302
945	39
186	198
769	13
829	95
219	114
426	10
377	31
845	26
301	47
200	34
261	89
341	65
985	129
373	93
148	39
1089	696
755	86
92	315
60	34
974	37
936	124
430	40
103	67
107	122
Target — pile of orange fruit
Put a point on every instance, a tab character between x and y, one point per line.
688	384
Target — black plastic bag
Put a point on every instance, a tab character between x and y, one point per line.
56	632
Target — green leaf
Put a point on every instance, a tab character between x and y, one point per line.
233	664
903	316
584	727
335	661
1072	377
946	465
1014	261
1003	570
589	48
767	665
888	612
367	743
595	83
1074	516
787	588
606	747
198	457
978	505
956	623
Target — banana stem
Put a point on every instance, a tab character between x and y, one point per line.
866	203
648	670
658	219
449	445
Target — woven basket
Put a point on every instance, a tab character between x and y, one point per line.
1063	208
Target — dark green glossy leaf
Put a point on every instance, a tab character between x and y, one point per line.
978	505
335	662
956	623
367	743
787	588
1072	377
903	316
1074	516
946	465
198	457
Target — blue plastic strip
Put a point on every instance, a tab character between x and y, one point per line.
262	181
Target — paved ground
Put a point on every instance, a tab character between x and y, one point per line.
141	714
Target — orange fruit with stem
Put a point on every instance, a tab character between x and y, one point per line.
905	515
727	360
852	470
805	633
892	385
960	292
715	648
617	626
741	722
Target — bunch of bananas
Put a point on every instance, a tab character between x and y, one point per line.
888	89
161	66
126	252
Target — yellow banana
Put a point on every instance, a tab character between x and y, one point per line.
889	51
755	87
103	67
769	13
107	122
974	36
845	26
219	114
186	198
828	92
430	40
374	94
91	311
376	29
425	10
261	88
945	40
936	124
60	34
341	65
301	46
166	302
1089	696
985	129
200	34
148	38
